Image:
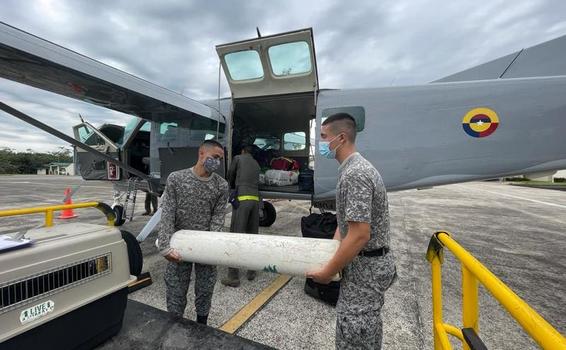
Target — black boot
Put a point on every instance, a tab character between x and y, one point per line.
233	278
202	319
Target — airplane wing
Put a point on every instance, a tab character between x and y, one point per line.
30	60
542	60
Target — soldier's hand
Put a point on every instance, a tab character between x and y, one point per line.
319	276
173	256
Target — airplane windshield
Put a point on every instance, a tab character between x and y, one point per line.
290	59
244	65
129	129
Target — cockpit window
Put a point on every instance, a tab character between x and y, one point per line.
290	58
129	129
244	65
84	133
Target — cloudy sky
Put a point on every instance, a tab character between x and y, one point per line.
358	44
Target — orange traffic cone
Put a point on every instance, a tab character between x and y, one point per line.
67	213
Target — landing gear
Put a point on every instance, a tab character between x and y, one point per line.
267	214
119	212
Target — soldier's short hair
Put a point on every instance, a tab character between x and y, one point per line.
211	143
342	123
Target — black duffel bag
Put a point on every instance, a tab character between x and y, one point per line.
320	226
328	293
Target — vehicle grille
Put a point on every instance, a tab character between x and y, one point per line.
23	291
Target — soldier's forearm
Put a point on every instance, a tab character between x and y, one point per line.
350	246
337	235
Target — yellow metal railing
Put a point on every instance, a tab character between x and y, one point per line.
473	272
49	210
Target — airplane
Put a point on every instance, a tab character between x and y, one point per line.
503	118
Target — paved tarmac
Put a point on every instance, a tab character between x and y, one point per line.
518	233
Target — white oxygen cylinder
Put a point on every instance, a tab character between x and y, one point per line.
280	254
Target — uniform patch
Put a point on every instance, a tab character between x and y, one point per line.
480	122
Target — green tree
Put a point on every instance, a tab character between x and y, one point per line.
28	162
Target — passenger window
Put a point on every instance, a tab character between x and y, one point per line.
294	141
164	128
244	65
266	143
358	113
168	131
290	59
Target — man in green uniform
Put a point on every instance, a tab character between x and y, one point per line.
363	231
243	176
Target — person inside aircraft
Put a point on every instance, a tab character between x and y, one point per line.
150	198
194	199
363	231
243	177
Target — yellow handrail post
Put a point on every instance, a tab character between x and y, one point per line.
434	255
48	218
436	301
469	301
537	327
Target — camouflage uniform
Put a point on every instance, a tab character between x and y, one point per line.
361	197
191	202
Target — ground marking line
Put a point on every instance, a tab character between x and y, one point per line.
523	198
245	313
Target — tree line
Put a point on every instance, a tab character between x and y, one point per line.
28	162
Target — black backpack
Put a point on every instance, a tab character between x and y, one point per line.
321	226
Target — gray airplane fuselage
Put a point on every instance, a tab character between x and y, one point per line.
415	137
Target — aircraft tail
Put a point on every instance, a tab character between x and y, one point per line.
546	59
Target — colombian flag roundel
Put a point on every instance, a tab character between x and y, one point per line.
480	122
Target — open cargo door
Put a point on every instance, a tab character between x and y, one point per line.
271	65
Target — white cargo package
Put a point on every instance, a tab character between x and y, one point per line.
280	254
281	177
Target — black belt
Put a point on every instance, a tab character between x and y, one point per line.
375	252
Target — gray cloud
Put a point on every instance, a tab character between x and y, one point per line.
358	44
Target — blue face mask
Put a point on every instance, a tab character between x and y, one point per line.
324	149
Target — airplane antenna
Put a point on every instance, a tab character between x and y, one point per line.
82	120
258	33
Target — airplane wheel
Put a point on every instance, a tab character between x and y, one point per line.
119	211
269	214
135	256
